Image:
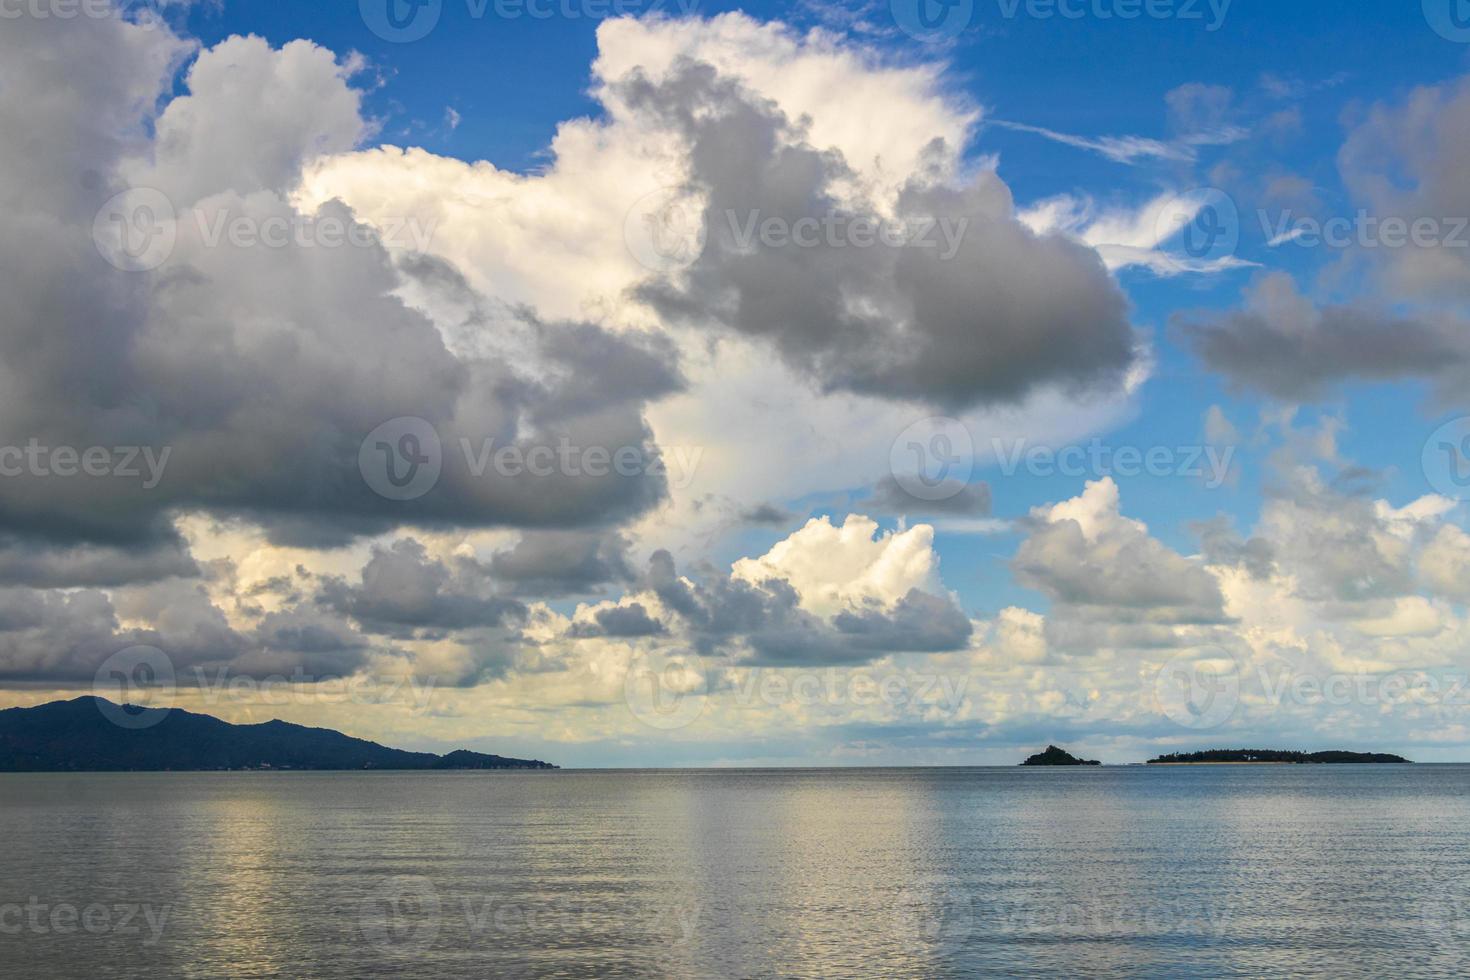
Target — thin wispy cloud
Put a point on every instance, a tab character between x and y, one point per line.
1134	149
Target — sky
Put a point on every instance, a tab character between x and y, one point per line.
629	383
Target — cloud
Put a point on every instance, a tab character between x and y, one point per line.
258	369
1132	149
1141	237
405	592
1410	160
561	563
826	594
832	566
632	620
1344	546
889	497
1283	345
885	321
1086	556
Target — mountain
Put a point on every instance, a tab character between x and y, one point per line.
1054	756
1272	755
76	736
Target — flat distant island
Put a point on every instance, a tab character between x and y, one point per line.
1272	756
82	736
1054	756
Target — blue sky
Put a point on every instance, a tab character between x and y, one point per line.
527	150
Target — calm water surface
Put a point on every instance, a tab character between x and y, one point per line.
1338	871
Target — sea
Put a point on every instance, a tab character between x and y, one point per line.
1209	871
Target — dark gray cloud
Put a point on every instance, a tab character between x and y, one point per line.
632	620
766	515
44	564
562	563
889	497
1287	348
1409	159
53	638
1006	313
405	593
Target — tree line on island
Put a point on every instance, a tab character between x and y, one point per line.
1053	756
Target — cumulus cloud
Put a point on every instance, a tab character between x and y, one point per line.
769	427
897	322
1095	563
825	594
260	370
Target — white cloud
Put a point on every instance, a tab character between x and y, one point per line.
835	567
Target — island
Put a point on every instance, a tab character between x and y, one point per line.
1272	757
1054	756
82	735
